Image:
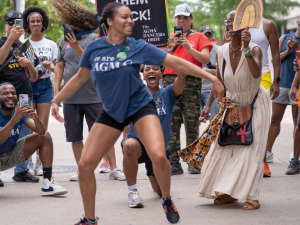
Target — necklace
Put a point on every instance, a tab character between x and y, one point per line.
121	54
157	100
234	49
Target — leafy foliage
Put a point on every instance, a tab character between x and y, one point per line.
55	31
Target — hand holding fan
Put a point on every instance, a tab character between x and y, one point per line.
248	14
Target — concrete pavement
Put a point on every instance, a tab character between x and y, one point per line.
21	203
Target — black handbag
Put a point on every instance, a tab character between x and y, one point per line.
237	124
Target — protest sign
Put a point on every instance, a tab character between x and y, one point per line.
151	19
26	50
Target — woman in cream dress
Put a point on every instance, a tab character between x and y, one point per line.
235	172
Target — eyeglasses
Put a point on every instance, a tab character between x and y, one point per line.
182	18
10	23
227	22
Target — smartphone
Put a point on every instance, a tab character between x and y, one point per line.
23	98
178	31
19	22
298	57
78	38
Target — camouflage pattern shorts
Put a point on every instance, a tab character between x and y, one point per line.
13	157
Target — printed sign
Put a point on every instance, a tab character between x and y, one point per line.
151	20
26	50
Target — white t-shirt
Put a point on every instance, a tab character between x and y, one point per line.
46	50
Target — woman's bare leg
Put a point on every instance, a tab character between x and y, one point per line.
149	130
100	139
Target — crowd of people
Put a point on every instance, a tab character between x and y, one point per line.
195	74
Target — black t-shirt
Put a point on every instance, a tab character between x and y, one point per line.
15	74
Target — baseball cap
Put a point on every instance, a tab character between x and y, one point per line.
206	29
183	9
13	15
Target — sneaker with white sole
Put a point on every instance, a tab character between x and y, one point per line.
74	177
104	166
172	215
116	174
52	188
269	157
134	200
38	168
30	166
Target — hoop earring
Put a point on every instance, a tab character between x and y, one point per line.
226	37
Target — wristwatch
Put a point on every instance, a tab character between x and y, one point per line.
277	79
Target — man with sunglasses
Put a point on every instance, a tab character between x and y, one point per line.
12	71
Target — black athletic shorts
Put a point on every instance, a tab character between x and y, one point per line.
74	114
144	158
104	118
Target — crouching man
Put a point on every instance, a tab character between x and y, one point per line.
14	151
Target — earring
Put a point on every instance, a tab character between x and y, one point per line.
226	35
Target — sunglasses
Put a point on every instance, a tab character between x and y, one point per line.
227	22
10	23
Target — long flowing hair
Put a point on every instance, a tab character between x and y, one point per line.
81	19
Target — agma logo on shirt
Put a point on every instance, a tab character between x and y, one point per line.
107	66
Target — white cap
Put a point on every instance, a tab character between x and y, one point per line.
183	9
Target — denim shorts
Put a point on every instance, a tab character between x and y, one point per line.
42	91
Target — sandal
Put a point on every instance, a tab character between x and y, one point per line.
250	205
224	199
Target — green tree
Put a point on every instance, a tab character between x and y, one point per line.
55	31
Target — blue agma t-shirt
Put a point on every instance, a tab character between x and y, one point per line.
165	102
14	135
117	79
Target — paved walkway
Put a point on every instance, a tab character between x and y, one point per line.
21	203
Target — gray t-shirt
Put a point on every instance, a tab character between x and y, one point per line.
206	84
86	94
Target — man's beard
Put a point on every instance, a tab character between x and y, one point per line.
3	106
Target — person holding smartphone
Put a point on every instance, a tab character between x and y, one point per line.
15	150
36	22
12	71
114	62
195	48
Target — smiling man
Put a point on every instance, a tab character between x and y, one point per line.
12	71
13	150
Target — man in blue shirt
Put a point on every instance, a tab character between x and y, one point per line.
133	149
13	150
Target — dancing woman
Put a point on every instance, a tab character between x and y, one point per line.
235	171
113	62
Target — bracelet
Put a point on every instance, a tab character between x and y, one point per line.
248	55
55	103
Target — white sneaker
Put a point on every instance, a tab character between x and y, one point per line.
30	166
104	166
38	168
116	174
74	177
134	200
269	157
52	188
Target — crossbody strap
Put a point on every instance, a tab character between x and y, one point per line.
6	62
